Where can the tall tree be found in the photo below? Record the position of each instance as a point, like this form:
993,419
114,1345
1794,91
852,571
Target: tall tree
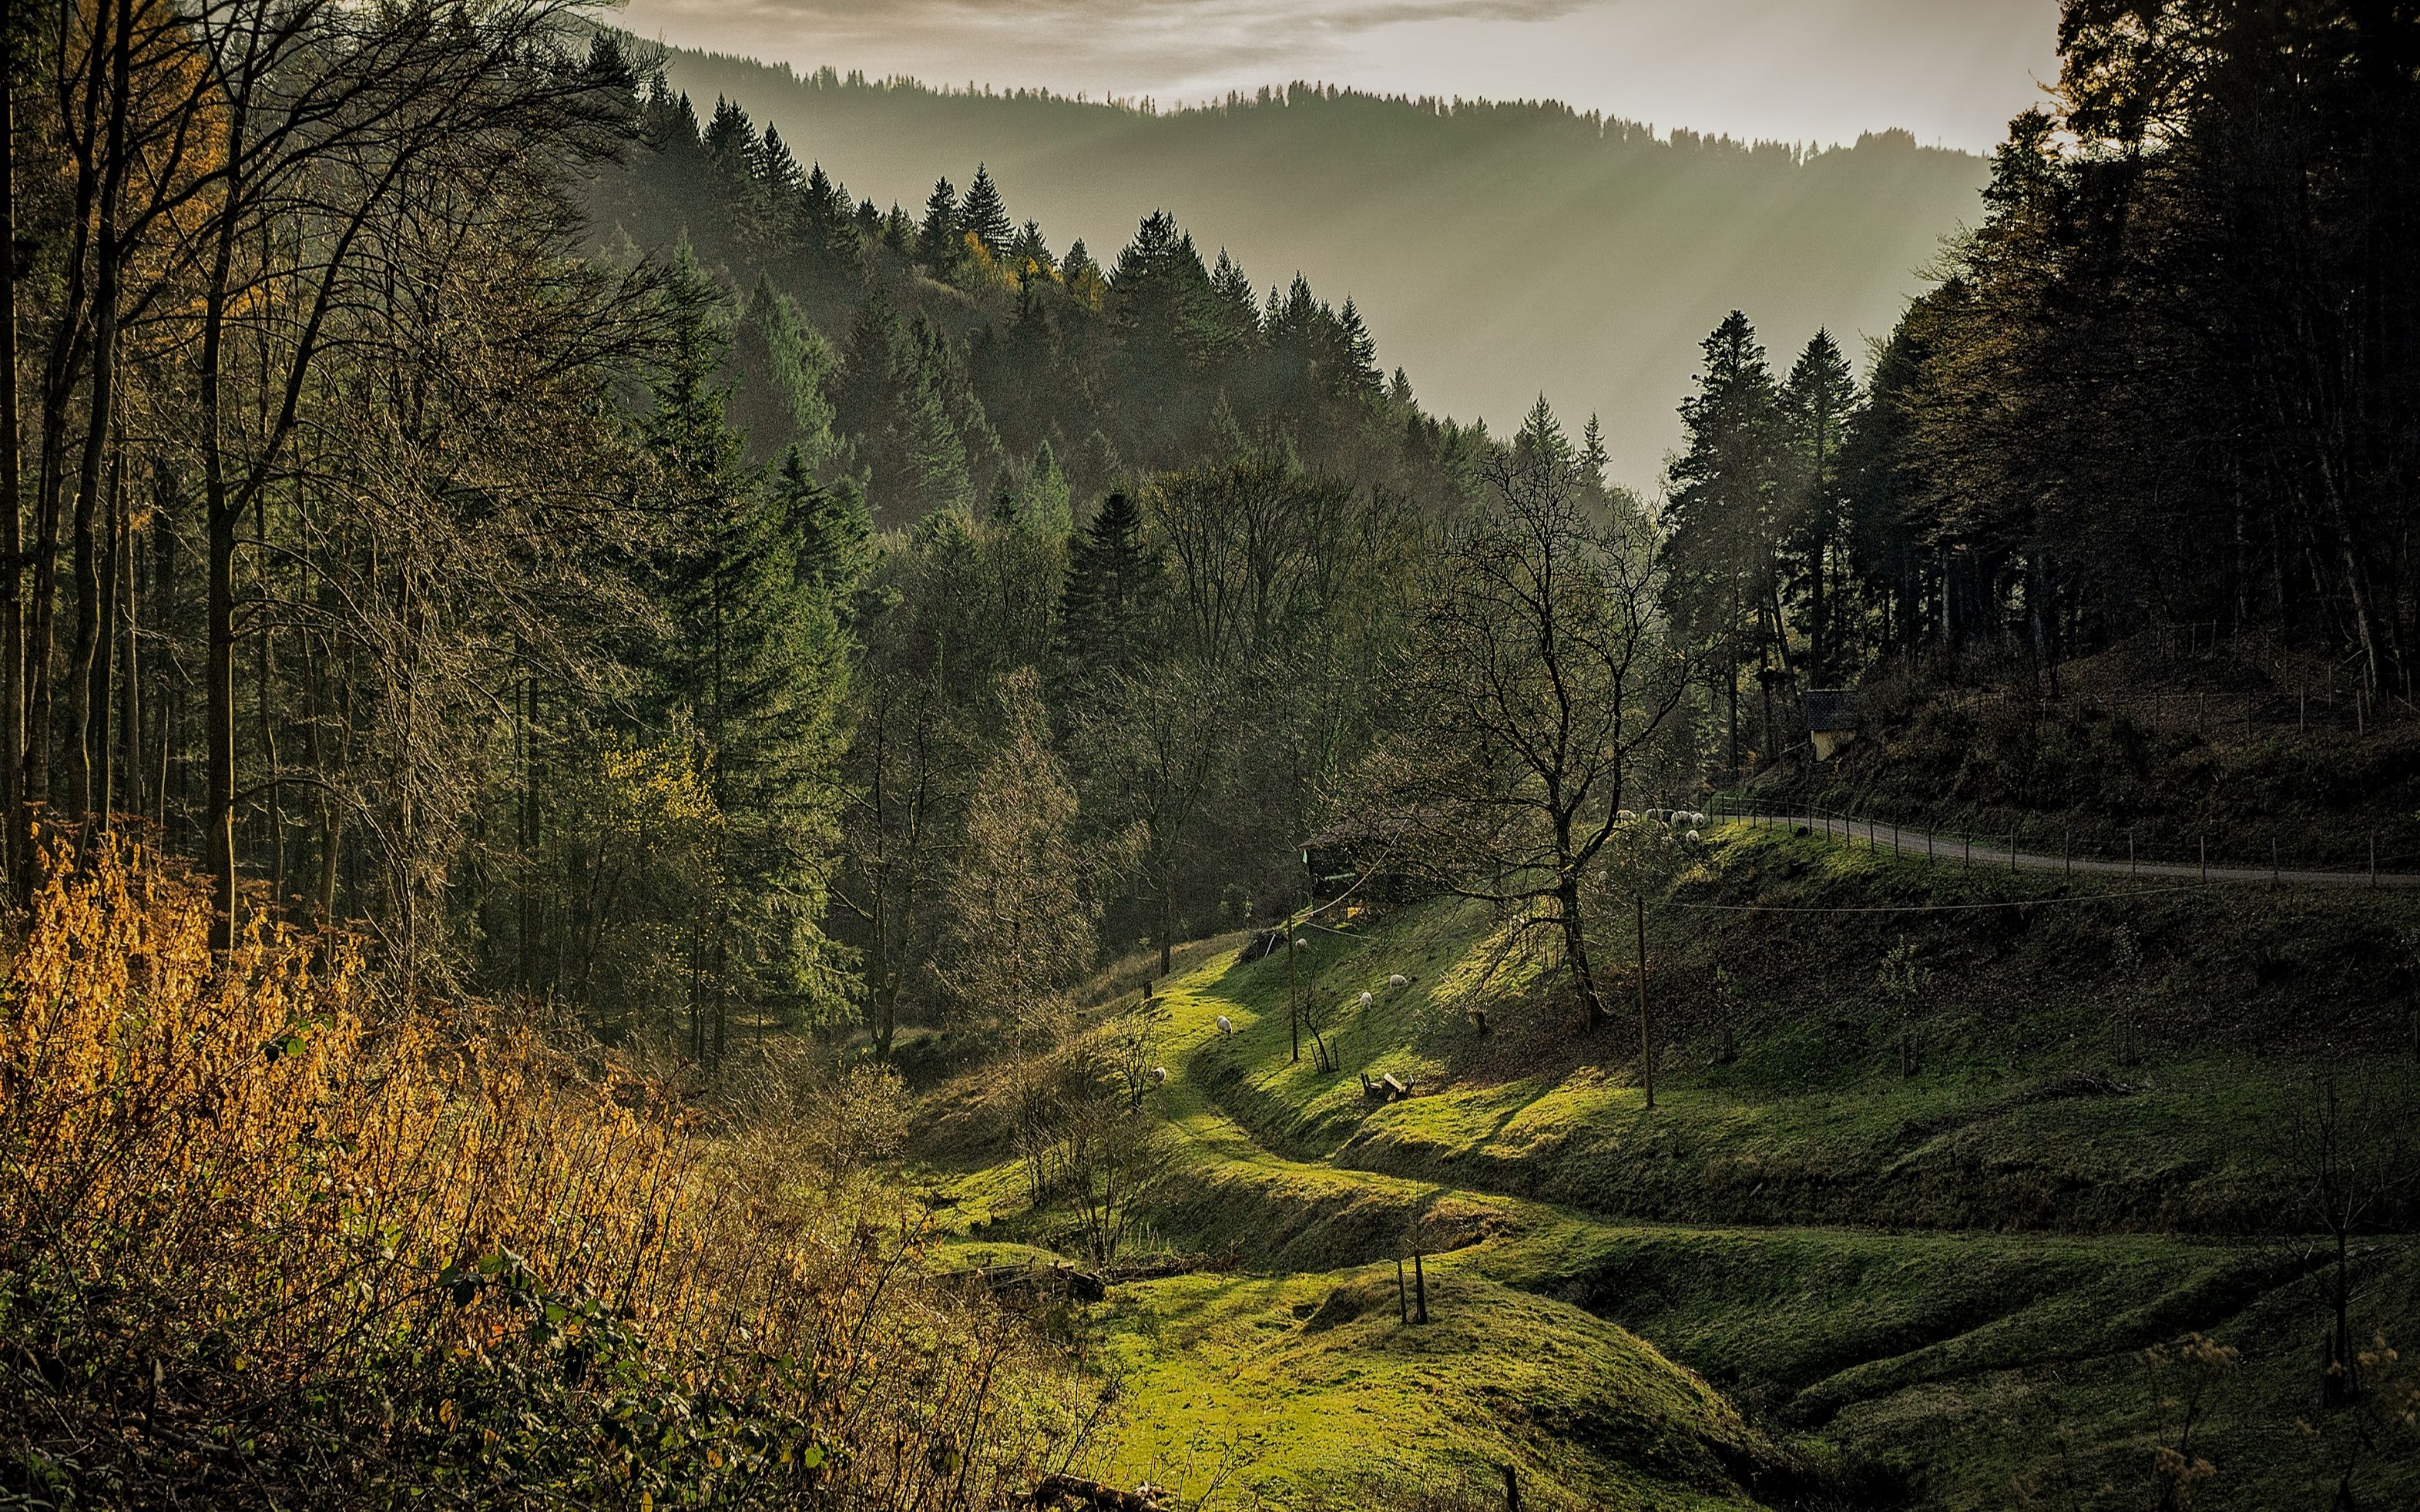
1723,518
1540,678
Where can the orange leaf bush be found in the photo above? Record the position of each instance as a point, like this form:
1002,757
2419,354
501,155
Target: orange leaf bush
267,1237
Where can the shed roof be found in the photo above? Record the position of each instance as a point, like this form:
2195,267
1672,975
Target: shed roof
1830,709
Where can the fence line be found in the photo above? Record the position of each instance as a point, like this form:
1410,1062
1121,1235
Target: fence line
2007,850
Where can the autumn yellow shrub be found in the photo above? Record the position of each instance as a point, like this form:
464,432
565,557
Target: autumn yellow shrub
267,1237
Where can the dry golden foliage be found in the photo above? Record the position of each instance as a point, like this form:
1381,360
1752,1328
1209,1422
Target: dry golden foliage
264,1237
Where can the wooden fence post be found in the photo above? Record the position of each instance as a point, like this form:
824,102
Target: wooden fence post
1646,1032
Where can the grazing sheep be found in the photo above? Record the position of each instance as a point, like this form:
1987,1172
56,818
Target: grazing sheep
1362,1001
1691,837
1624,815
1399,981
1159,1076
1697,821
1226,1025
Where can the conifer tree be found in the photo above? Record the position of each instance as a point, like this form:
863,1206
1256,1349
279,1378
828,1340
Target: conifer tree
1723,515
1114,585
754,663
1816,401
1592,453
937,238
1043,501
1028,256
1541,442
983,215
779,367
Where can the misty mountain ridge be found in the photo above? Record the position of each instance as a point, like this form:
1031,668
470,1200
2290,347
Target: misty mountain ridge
1499,248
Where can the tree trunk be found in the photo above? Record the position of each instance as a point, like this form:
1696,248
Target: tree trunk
86,746
12,629
133,800
218,802
1646,1024
1575,956
1167,915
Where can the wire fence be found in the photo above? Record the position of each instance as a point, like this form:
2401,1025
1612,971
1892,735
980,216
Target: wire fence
2319,705
2220,858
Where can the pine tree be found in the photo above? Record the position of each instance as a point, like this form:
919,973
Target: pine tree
1082,276
1592,453
1028,256
1358,353
1817,400
1723,540
779,367
731,140
985,214
777,170
1043,501
1108,609
932,457
829,526
756,664
1541,442
937,238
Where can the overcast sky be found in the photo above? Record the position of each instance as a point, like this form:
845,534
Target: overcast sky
1953,72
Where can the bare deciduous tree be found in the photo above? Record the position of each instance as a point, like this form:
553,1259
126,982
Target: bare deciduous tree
2352,1139
1539,675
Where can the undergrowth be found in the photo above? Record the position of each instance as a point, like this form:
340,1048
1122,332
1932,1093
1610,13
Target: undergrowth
268,1238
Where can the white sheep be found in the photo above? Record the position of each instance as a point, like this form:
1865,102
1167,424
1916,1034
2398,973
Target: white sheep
1226,1025
1691,837
1625,815
1362,1001
1399,981
1159,1076
1697,821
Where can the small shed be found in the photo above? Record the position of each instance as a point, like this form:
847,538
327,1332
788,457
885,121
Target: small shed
1831,720
1336,857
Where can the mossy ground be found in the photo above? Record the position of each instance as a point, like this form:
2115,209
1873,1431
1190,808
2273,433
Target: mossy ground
1934,1290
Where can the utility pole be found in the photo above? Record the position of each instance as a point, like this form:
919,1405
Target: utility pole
1646,1031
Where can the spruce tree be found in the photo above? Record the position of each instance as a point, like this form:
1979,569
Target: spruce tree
1043,503
937,238
1028,256
755,663
1108,609
777,368
1541,442
985,214
1816,401
1722,544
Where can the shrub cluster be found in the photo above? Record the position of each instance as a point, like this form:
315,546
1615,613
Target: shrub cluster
269,1238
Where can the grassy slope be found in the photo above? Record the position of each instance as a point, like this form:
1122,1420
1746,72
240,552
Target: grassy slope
1990,1335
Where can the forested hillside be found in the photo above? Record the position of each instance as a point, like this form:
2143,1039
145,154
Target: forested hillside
1499,249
